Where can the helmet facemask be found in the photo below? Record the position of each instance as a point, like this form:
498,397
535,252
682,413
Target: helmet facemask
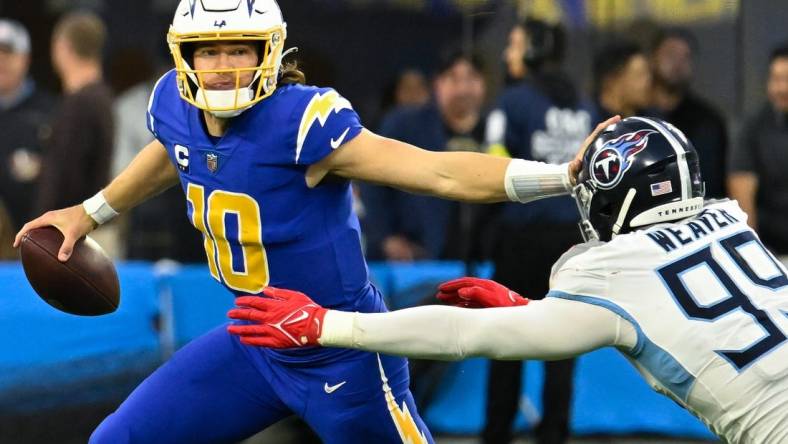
231,102
601,218
583,194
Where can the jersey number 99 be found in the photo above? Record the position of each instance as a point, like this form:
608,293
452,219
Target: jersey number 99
210,216
737,300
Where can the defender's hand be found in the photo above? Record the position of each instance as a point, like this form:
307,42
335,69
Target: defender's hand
478,293
283,319
73,222
577,163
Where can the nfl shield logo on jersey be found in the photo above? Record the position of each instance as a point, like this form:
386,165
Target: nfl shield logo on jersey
212,160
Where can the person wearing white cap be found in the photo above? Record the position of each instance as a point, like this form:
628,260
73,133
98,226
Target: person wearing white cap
25,113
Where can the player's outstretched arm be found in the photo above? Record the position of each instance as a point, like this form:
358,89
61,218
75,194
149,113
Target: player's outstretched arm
150,173
549,329
464,176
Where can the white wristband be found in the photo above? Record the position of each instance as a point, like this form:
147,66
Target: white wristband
527,180
99,209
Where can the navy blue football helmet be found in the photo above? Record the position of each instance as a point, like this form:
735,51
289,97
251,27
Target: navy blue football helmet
638,172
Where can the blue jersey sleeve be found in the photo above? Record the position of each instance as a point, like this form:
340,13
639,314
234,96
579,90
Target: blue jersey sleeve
327,121
153,103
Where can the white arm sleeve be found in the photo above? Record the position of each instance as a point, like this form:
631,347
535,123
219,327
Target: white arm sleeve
528,180
549,329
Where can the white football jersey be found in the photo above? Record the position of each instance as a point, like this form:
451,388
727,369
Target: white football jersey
710,307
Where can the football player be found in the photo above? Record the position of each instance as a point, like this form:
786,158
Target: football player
682,287
265,164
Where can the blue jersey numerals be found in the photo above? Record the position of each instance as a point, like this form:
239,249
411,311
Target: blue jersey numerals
737,300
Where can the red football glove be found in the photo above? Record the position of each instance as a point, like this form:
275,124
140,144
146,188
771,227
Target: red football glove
283,319
478,293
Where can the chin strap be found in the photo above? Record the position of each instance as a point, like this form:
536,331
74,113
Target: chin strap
224,99
287,52
622,214
227,99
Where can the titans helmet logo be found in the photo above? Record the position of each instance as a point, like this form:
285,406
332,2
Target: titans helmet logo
609,164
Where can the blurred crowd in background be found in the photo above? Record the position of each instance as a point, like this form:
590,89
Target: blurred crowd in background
452,79
526,79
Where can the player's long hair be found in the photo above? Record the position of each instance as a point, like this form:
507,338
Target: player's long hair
289,74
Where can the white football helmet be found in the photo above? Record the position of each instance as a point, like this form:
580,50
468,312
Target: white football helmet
259,21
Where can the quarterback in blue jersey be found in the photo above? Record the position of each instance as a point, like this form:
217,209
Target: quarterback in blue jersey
265,164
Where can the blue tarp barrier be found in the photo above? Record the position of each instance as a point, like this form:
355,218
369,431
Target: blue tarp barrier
609,398
34,334
44,351
197,302
43,348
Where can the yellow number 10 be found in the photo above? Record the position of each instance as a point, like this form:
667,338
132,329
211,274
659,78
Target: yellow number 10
254,276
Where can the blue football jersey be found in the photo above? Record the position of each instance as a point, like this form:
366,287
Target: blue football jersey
246,191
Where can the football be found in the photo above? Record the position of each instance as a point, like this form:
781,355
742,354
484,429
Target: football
86,284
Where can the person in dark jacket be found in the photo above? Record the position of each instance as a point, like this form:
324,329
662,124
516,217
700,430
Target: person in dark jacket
25,114
78,159
757,163
540,116
672,56
404,227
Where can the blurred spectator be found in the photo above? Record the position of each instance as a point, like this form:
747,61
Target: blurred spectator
25,113
540,117
622,80
411,89
131,131
515,53
757,177
77,161
671,63
158,228
405,227
7,233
